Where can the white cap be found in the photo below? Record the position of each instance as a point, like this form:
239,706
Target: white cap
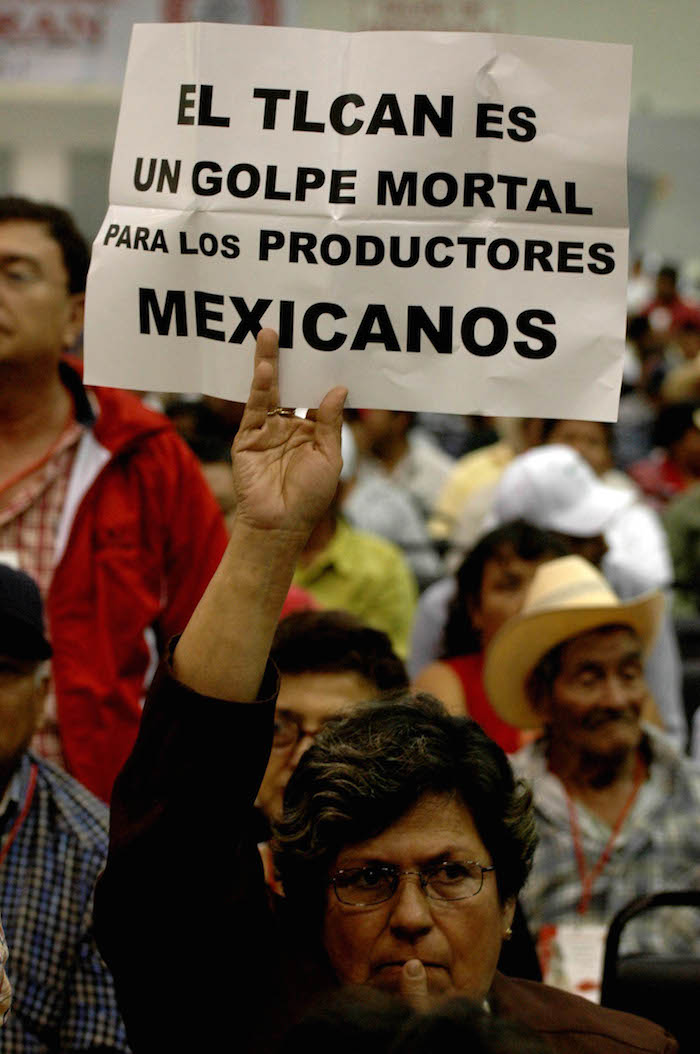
554,488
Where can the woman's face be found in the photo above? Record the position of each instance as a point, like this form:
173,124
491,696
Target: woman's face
458,941
589,438
503,586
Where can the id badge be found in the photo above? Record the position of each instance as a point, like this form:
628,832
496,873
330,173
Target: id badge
571,957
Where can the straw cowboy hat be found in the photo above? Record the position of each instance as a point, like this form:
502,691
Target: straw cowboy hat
566,597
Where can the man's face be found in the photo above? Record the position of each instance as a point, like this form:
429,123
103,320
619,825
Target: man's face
597,698
39,318
457,941
22,696
588,438
305,702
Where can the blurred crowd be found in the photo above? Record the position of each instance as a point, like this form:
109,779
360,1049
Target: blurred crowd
116,507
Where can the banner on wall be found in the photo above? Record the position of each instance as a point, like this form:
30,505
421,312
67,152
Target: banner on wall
86,41
437,221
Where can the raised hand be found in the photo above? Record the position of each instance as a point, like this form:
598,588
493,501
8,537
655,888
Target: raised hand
285,469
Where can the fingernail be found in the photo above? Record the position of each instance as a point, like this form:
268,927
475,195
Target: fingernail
414,968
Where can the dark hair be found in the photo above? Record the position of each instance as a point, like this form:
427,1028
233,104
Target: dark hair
337,642
668,271
460,637
366,769
549,424
672,423
61,227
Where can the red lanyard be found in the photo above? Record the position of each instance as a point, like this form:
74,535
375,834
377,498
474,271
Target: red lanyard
588,878
22,813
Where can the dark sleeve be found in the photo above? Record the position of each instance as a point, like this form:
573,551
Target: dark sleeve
182,914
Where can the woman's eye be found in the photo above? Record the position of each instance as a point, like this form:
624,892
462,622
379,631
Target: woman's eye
451,872
371,876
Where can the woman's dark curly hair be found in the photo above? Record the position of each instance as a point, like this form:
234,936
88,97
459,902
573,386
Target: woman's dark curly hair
518,538
365,770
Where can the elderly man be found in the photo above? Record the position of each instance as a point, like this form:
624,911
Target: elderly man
617,807
404,839
53,843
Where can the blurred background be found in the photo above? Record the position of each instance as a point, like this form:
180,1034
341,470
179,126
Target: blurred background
62,63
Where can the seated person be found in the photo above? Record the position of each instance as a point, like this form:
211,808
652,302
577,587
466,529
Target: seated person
53,844
617,807
404,839
491,585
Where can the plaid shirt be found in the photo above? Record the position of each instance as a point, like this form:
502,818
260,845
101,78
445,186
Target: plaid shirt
28,525
63,994
657,849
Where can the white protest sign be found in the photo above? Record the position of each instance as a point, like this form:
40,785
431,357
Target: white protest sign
436,220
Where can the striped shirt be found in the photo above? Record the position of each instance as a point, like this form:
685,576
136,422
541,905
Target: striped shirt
63,994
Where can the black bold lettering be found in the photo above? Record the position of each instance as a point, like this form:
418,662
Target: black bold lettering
253,177
206,92
308,179
187,94
309,327
271,192
169,175
213,184
432,259
208,244
524,130
159,241
174,305
451,189
441,122
395,251
185,250
204,315
388,104
364,242
440,336
408,187
250,318
271,97
512,254
124,238
499,335
344,249
300,124
139,182
568,253
478,184
546,337
286,327
375,314
537,251
340,188
570,205
471,244
512,183
543,197
301,242
487,114
269,240
603,256
336,114
141,238
111,232
230,249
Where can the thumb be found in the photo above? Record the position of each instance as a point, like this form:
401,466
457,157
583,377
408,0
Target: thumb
414,985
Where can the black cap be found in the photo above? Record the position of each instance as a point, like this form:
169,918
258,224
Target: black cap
21,617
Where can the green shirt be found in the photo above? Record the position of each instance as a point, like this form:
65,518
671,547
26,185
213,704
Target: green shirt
368,576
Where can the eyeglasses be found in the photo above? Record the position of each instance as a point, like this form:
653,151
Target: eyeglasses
287,731
364,887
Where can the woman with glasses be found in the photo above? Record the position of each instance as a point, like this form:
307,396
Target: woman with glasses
404,838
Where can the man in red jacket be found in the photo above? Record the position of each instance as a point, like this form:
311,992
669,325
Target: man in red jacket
100,501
